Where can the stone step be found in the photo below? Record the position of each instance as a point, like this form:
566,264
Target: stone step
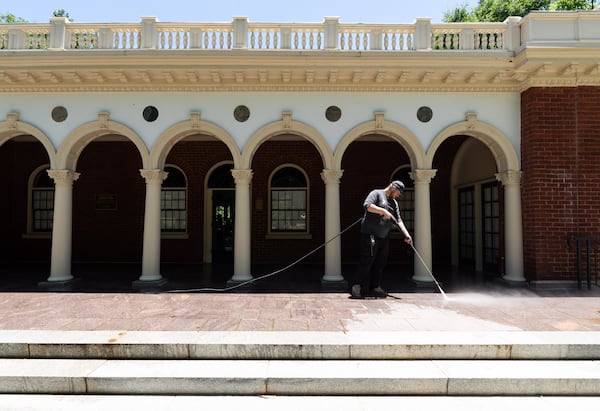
15,402
504,345
300,377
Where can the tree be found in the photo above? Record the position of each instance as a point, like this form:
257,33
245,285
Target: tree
10,18
459,14
499,10
572,5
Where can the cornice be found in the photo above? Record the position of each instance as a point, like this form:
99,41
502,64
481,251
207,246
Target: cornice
451,71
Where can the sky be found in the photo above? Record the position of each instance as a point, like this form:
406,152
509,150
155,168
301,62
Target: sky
299,11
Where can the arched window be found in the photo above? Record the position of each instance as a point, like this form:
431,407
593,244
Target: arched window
406,202
289,199
42,201
173,202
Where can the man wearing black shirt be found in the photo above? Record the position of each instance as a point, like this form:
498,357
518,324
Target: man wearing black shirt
381,213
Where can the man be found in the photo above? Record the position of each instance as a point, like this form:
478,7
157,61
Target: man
381,213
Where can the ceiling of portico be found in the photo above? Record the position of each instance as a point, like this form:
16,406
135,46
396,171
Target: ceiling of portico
244,70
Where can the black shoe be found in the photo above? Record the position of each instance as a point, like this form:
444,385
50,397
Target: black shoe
378,292
355,291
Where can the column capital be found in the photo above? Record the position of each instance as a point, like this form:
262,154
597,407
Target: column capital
63,177
509,177
331,176
242,176
422,175
154,175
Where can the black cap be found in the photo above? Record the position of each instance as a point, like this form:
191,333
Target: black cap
399,185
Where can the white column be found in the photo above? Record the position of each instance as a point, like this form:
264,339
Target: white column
151,251
422,235
62,224
513,228
242,241
333,253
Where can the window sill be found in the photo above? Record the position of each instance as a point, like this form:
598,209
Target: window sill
289,236
174,236
37,236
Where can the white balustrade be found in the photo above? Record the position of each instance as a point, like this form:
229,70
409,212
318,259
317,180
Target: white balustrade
61,34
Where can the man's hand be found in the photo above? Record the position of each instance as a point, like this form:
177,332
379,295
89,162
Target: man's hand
408,240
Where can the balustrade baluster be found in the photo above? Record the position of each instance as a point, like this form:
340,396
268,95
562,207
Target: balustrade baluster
221,41
342,41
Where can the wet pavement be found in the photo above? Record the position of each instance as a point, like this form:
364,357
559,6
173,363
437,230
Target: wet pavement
292,301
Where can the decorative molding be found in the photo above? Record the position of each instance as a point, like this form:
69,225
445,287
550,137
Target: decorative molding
331,176
379,119
286,118
13,120
195,118
242,177
103,119
154,176
471,119
422,176
63,177
509,178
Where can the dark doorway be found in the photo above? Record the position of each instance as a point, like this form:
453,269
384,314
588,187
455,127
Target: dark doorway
223,207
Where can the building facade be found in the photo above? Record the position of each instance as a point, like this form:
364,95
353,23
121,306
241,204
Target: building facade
254,143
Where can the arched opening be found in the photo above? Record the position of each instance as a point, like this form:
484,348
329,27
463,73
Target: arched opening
467,212
108,210
26,208
288,201
221,192
371,162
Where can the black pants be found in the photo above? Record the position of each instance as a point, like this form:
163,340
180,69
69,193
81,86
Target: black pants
373,259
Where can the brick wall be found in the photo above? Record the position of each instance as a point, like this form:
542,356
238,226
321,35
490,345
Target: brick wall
560,147
268,157
17,162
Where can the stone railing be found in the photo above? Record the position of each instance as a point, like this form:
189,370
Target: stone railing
515,32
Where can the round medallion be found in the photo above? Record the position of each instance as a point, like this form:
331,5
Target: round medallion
424,114
150,113
59,114
333,113
241,113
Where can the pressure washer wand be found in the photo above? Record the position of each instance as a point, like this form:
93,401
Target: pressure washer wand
429,271
423,262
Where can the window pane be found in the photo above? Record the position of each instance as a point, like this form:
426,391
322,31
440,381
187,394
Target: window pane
288,210
173,215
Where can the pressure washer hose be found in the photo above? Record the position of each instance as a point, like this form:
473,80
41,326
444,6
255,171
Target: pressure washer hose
233,287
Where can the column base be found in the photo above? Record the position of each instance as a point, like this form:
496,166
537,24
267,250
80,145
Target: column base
239,278
233,282
335,286
426,286
60,285
149,284
333,279
513,283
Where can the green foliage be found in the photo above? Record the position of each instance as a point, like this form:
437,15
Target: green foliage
459,14
499,10
10,18
61,13
571,5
